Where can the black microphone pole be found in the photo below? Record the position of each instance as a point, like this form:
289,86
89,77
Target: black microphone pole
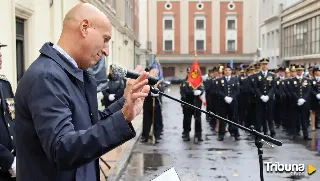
259,138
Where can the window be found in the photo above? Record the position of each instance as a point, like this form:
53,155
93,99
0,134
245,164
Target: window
231,45
231,24
20,47
200,45
168,24
200,24
168,45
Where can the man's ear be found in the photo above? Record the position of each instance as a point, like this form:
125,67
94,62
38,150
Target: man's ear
84,25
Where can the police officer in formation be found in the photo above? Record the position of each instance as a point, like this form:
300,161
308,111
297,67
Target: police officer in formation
7,134
191,96
228,89
152,115
267,99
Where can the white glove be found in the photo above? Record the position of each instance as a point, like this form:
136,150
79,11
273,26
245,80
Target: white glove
111,97
301,101
262,98
154,95
228,99
318,96
13,169
197,92
266,98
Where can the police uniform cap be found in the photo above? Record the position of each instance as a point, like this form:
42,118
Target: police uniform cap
281,69
147,69
215,69
316,68
257,65
251,68
293,67
310,68
2,45
228,66
220,68
265,60
287,69
300,67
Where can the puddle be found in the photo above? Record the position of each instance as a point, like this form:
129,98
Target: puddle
220,149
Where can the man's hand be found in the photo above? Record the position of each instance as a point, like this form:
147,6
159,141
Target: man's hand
135,93
13,169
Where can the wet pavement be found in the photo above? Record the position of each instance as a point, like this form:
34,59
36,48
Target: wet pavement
212,160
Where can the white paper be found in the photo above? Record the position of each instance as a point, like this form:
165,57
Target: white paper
169,175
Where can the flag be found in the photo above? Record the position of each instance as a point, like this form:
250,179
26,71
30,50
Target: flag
195,75
156,65
231,63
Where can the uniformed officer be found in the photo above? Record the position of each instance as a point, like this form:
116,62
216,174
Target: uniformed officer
252,105
300,91
244,97
114,89
279,113
315,100
287,102
207,86
152,116
228,89
7,134
191,96
265,83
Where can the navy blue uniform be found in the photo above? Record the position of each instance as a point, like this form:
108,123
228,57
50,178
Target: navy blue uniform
265,85
300,89
228,89
7,133
187,95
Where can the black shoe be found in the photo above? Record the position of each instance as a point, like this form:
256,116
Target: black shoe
237,138
273,134
186,137
292,137
220,138
199,137
144,140
307,138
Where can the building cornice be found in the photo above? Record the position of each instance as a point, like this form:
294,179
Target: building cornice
303,57
120,25
207,57
300,10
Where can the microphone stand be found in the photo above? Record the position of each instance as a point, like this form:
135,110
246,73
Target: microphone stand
259,138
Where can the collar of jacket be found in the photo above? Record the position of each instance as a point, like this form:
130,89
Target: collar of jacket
49,51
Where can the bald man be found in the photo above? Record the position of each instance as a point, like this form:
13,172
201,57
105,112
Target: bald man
60,132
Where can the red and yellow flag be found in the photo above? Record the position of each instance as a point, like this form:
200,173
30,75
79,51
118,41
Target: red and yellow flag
195,75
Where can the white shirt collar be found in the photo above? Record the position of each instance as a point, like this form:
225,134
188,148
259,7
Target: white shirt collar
264,72
299,77
64,53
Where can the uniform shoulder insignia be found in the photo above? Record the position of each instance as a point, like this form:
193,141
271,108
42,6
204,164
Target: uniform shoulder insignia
3,77
278,82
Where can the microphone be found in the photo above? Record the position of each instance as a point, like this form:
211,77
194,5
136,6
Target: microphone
122,72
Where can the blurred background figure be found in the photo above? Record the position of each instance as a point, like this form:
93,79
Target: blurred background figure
113,89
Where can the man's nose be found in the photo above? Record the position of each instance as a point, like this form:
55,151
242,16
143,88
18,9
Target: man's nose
105,49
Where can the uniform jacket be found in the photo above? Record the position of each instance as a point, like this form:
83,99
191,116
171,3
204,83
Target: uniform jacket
245,83
230,89
265,85
300,89
7,134
60,132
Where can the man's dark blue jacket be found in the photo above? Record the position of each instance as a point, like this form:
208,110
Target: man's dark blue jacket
60,134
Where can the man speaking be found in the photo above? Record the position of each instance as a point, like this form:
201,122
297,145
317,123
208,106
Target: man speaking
60,132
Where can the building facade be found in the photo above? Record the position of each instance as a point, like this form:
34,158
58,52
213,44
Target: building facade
270,11
218,31
29,24
300,37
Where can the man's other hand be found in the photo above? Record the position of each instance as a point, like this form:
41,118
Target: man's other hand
135,93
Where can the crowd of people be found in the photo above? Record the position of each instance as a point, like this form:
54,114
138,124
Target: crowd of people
286,98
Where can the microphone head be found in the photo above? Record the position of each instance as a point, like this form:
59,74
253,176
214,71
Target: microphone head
118,71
